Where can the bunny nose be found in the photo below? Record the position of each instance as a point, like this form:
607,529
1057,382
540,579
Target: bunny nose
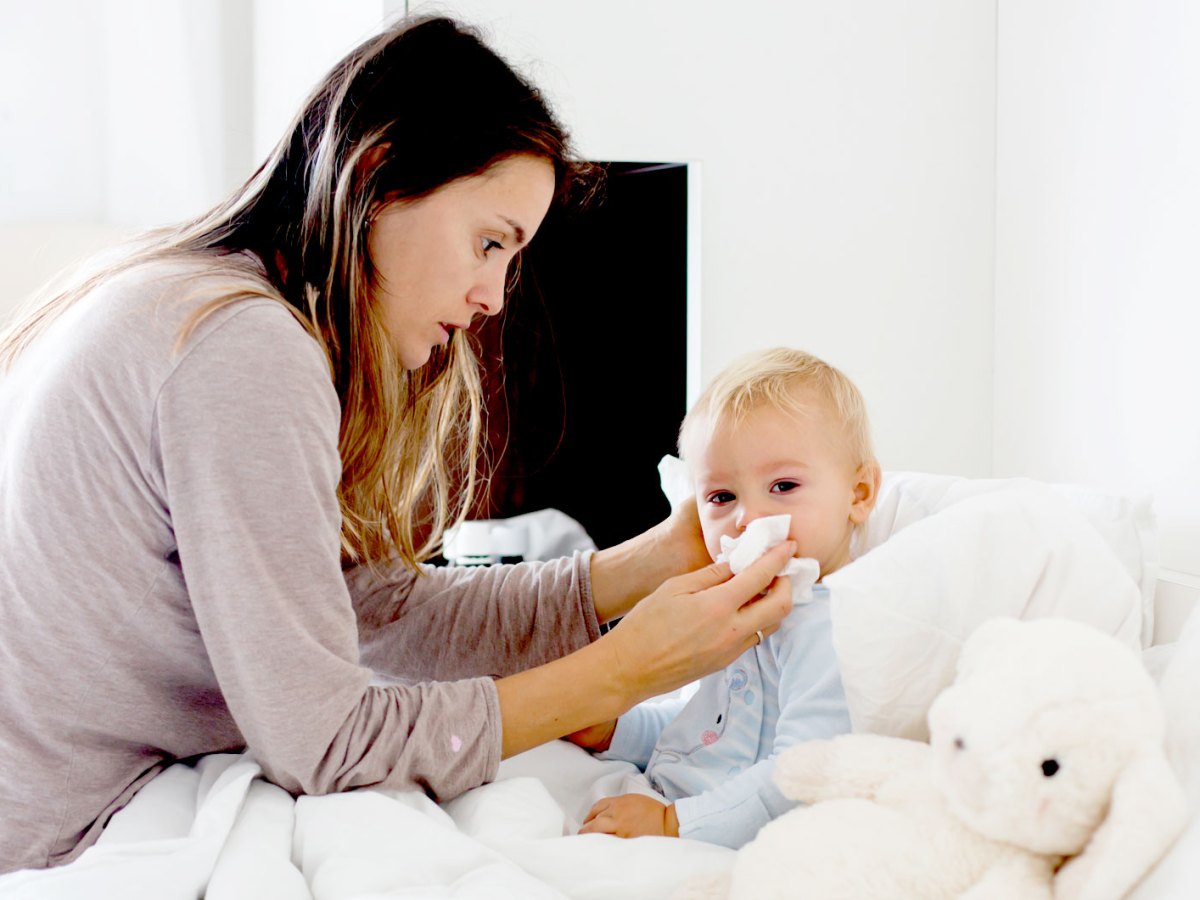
959,744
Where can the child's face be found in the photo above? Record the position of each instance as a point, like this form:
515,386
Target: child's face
777,462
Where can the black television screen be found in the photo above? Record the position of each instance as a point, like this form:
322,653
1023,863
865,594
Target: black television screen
586,370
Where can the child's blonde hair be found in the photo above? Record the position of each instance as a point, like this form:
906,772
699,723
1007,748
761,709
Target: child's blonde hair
770,378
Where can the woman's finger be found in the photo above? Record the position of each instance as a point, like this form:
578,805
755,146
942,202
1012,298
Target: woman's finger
757,577
765,613
702,579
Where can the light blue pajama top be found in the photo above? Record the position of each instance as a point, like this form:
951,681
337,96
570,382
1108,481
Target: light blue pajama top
714,755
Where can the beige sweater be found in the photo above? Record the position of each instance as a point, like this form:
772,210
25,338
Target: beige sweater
170,582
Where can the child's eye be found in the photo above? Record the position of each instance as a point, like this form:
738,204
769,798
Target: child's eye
784,487
717,498
488,244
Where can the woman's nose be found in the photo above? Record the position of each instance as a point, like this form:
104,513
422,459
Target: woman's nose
488,292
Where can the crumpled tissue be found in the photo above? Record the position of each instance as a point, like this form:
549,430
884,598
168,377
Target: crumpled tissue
759,537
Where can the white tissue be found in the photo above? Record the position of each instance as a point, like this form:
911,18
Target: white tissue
759,537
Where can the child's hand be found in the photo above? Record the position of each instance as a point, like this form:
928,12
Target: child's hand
631,815
596,738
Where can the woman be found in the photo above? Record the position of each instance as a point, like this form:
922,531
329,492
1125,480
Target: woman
224,455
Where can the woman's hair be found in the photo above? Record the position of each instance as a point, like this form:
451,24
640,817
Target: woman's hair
772,378
406,112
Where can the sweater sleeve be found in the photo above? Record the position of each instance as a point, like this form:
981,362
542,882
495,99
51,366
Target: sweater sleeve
488,620
812,705
246,430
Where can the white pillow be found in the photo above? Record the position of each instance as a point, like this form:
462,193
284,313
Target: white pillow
1125,521
902,610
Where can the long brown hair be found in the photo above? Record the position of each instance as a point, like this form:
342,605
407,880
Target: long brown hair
420,105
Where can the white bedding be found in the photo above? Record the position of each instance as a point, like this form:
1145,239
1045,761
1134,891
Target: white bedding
218,830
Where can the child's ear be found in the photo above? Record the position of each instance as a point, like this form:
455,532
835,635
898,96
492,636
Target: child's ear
866,490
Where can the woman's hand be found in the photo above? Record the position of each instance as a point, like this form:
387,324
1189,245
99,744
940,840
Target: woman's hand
698,623
623,575
680,538
631,815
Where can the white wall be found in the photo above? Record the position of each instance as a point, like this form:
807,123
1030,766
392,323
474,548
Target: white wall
44,116
123,114
295,42
120,111
1098,230
847,155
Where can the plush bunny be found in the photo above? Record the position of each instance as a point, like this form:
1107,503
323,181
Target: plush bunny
1048,746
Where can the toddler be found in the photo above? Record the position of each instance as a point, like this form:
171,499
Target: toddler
779,433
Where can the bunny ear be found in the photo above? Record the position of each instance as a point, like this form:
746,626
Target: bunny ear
1146,814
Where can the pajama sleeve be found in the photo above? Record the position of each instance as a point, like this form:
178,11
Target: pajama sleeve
446,623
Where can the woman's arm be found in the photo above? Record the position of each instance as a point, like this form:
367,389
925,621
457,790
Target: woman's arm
624,574
499,620
493,620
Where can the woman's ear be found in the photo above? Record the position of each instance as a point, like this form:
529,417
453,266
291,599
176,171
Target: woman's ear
866,490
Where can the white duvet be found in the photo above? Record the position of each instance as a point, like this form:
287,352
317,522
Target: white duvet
219,831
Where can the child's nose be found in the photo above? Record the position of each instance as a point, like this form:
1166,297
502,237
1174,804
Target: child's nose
747,513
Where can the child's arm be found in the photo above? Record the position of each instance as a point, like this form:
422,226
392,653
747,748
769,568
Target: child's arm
631,738
635,733
732,811
812,707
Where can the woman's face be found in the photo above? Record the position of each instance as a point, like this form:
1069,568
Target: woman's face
443,260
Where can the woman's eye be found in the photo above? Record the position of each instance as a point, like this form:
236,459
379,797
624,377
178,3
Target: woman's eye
783,487
718,498
489,244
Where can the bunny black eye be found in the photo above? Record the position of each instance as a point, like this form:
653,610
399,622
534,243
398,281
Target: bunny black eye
1049,767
